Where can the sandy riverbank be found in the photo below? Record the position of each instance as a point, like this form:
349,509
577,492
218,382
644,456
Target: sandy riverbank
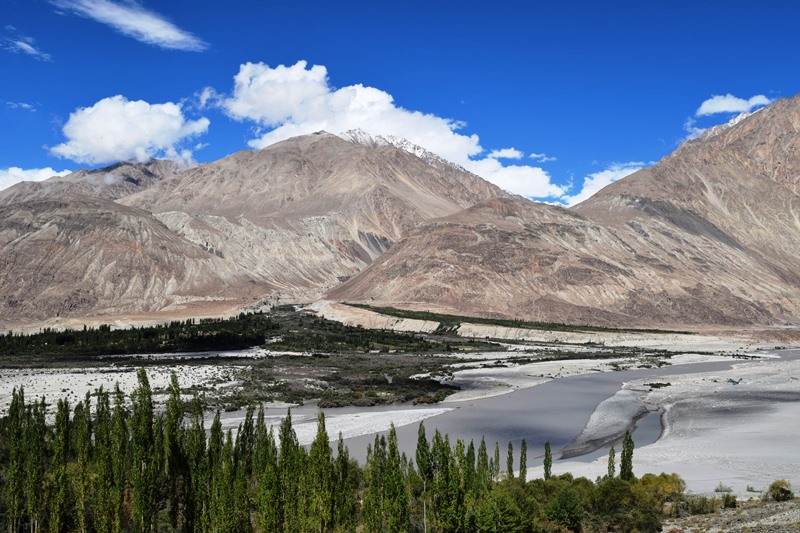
714,431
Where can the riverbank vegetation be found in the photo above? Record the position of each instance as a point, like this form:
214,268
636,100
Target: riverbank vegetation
112,465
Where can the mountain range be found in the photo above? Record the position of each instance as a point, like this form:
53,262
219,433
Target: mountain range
709,236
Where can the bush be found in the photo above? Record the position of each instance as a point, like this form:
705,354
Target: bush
780,491
729,501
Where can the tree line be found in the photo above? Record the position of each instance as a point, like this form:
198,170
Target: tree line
108,465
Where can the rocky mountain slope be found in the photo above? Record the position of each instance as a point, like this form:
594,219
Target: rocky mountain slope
292,220
113,182
707,236
82,256
306,213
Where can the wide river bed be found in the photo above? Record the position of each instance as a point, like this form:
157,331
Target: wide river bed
556,411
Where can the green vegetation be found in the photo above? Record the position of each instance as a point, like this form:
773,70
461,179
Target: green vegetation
130,469
450,322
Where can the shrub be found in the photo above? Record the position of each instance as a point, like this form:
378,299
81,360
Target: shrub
780,491
729,501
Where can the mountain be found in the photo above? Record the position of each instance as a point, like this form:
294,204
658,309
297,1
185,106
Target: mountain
306,213
77,256
709,235
291,220
112,182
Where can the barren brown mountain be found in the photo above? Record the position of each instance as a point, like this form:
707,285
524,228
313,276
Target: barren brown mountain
710,235
111,182
306,213
81,256
293,220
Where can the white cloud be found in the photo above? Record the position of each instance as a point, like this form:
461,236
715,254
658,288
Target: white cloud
542,158
18,43
21,105
12,175
117,129
132,19
596,181
506,153
286,101
692,130
730,104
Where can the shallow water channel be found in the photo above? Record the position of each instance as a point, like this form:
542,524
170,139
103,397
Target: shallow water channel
556,411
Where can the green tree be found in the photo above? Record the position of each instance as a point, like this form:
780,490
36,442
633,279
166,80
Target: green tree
523,461
144,470
175,465
36,447
626,459
266,466
103,515
548,460
566,509
321,479
612,463
15,471
81,481
60,499
498,513
375,468
395,495
344,505
120,464
510,461
483,473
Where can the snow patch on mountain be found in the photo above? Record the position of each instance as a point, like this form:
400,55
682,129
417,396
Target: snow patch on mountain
359,136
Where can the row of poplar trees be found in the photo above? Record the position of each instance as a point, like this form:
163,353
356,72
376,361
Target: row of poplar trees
130,469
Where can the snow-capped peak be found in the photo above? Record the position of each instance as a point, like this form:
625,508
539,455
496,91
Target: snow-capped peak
359,136
716,130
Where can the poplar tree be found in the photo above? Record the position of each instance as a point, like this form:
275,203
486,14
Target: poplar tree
15,471
510,461
35,446
320,479
612,465
143,469
103,515
523,461
120,462
626,458
496,462
174,464
373,513
290,463
60,499
395,495
82,440
484,474
269,499
548,460
194,451
344,505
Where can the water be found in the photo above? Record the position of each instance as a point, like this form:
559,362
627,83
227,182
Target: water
556,411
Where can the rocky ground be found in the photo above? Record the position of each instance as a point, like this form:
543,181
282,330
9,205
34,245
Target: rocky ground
749,517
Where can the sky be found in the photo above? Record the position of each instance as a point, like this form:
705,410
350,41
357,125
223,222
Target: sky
550,100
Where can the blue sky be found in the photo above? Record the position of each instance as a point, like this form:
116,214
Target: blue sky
583,92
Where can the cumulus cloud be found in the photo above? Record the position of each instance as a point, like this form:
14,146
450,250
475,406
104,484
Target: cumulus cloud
506,153
13,175
728,103
286,101
117,129
14,41
542,158
132,19
596,181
